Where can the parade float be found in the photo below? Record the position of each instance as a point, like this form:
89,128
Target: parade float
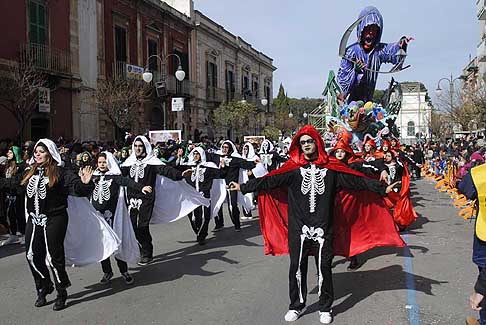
348,110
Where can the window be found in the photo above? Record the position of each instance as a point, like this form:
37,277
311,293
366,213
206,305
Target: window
121,44
246,84
184,62
230,85
267,96
411,129
37,22
152,49
255,88
212,80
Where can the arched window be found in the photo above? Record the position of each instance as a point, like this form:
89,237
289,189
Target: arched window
411,129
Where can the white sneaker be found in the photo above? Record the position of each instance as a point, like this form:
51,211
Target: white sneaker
325,317
12,239
22,240
292,315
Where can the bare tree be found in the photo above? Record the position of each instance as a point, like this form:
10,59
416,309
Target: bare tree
238,116
120,100
19,93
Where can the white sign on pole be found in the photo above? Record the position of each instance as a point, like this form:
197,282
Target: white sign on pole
44,100
177,104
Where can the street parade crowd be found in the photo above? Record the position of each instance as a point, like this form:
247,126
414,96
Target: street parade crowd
74,204
115,192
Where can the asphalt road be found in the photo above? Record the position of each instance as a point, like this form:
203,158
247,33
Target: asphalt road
230,281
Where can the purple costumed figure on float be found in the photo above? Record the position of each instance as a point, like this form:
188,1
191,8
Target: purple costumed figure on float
361,63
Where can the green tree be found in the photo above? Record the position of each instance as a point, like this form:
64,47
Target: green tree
235,115
271,132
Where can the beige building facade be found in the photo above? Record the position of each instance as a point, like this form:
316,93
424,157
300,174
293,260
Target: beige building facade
226,68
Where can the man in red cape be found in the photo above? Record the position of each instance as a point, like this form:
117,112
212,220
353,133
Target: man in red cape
296,207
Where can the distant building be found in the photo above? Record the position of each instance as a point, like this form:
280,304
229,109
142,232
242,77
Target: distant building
414,117
226,68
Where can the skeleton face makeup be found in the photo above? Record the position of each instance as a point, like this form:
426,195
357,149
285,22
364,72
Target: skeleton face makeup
309,147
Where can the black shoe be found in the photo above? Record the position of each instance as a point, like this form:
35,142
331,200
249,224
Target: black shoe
60,302
201,242
41,296
145,260
237,229
128,278
106,278
354,264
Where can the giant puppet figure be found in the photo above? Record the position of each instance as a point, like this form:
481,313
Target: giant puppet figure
361,61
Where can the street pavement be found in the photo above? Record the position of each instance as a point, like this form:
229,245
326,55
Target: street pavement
230,281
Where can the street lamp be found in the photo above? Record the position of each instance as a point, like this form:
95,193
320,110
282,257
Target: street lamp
451,81
179,74
264,101
290,114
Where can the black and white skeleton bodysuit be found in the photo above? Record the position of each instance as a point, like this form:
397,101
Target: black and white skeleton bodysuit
47,219
144,171
311,193
202,177
234,166
269,157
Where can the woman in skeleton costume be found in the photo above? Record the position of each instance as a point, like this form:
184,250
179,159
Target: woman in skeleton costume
312,180
249,154
143,167
47,186
203,176
105,199
400,201
14,205
232,166
269,157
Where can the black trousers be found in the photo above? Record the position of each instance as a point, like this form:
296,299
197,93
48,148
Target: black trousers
233,210
14,209
326,297
51,242
140,221
106,266
199,219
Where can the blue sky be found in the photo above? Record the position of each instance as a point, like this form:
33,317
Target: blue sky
303,36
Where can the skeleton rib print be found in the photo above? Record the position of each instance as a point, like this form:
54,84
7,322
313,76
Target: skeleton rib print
313,184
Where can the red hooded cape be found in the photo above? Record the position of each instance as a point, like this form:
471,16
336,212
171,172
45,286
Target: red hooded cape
403,211
361,219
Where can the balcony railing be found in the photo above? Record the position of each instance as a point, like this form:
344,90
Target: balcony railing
46,58
214,94
481,10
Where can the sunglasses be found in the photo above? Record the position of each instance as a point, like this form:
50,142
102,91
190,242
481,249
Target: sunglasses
309,141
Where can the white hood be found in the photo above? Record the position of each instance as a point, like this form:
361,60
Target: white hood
149,159
113,168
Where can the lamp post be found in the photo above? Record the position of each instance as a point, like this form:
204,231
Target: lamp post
305,115
147,76
451,81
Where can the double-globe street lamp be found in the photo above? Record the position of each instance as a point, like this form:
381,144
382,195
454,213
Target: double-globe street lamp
160,86
451,81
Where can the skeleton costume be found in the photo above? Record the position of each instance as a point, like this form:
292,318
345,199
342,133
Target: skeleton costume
259,171
269,157
50,240
169,201
310,188
108,198
205,178
232,172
